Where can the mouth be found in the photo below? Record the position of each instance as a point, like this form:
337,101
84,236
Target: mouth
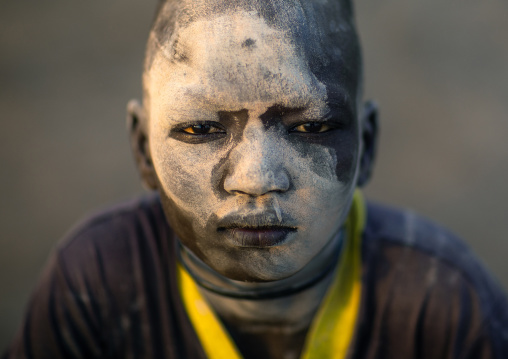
261,229
258,237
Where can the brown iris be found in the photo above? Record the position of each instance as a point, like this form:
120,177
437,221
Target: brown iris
311,127
201,129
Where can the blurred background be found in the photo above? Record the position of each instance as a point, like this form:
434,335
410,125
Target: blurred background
438,69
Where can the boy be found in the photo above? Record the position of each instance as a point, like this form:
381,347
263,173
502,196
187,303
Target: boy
257,242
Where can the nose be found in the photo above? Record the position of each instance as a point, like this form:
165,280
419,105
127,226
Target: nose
256,166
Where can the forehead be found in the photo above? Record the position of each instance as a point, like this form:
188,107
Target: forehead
253,51
236,59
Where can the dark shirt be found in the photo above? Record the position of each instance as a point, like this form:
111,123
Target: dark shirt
110,291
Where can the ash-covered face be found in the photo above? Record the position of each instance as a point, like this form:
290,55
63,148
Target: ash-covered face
255,148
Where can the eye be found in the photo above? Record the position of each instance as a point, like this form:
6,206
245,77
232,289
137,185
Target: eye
311,127
202,129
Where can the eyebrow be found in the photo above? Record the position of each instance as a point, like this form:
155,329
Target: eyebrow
338,99
279,110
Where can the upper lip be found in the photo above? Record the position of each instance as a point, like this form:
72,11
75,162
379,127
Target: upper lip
263,220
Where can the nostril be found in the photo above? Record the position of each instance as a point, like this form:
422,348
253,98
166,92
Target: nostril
240,193
256,183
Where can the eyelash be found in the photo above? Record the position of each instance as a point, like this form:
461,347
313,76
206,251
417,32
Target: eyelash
215,129
327,127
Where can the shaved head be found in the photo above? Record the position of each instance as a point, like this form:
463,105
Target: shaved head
322,30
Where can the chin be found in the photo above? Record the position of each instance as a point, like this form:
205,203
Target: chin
252,268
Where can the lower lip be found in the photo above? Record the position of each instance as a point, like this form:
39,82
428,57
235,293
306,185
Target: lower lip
259,238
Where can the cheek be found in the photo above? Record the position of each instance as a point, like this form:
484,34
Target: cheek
179,181
330,160
181,223
324,184
217,177
346,151
185,173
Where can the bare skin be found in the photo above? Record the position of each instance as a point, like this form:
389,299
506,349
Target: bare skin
254,139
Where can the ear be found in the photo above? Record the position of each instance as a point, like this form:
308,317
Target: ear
369,130
137,126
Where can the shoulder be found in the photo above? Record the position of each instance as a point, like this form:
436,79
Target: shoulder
406,232
426,280
108,236
107,257
115,222
110,246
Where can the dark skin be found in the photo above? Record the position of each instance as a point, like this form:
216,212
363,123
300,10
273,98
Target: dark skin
260,137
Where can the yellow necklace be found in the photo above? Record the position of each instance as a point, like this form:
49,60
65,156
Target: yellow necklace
333,326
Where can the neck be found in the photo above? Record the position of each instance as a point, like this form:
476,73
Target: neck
252,301
313,273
